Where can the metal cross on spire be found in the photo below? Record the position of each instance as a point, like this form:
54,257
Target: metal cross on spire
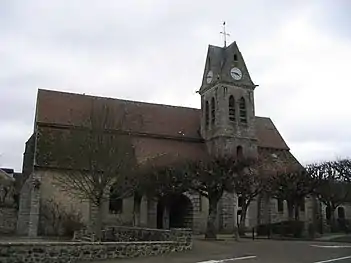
225,34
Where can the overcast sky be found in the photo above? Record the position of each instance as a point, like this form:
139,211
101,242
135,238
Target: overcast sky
298,52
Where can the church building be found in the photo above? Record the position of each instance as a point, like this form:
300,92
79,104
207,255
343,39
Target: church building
226,123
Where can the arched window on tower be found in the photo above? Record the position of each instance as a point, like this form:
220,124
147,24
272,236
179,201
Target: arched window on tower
239,152
242,109
231,105
213,111
207,114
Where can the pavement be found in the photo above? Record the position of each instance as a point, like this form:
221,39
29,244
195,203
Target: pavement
255,251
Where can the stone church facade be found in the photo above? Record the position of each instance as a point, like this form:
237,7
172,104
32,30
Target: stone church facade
225,124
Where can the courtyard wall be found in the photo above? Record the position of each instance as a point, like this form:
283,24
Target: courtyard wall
62,252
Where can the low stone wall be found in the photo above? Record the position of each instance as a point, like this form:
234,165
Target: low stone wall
126,234
62,252
8,220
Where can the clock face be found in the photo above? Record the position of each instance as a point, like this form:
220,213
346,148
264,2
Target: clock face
236,73
209,77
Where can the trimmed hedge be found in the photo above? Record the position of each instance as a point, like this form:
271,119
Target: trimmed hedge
284,228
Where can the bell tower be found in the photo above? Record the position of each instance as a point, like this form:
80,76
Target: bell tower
227,103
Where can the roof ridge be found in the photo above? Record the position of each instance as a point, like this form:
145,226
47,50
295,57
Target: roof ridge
117,99
263,117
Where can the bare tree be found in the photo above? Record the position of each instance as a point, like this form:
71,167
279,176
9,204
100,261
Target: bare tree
343,166
211,177
163,175
292,184
251,182
101,156
333,187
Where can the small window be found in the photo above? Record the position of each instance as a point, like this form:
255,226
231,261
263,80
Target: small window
213,111
242,107
207,114
240,201
235,57
231,108
280,204
116,203
239,152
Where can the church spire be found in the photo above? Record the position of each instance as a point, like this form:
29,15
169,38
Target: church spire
225,66
225,34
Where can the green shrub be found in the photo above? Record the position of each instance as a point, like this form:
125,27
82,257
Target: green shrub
284,228
58,221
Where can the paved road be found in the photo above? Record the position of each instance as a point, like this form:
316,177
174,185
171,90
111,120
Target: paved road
258,251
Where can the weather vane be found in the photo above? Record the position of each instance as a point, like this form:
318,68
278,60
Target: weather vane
225,34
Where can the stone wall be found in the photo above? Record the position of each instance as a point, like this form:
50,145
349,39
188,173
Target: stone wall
62,252
126,234
8,220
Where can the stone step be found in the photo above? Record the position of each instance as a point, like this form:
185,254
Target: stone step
85,239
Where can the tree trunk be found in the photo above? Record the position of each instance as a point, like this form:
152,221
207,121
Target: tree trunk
211,219
290,210
95,221
296,210
242,219
98,222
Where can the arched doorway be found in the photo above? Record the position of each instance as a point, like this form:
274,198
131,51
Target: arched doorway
328,214
180,212
174,211
341,212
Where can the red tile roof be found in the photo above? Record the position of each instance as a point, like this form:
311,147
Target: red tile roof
66,109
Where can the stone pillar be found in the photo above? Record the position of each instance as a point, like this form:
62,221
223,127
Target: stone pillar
137,210
165,218
309,215
200,217
321,216
143,211
34,207
196,220
24,209
152,213
227,215
264,210
252,213
128,211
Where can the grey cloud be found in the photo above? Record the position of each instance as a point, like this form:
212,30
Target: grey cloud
138,50
334,18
